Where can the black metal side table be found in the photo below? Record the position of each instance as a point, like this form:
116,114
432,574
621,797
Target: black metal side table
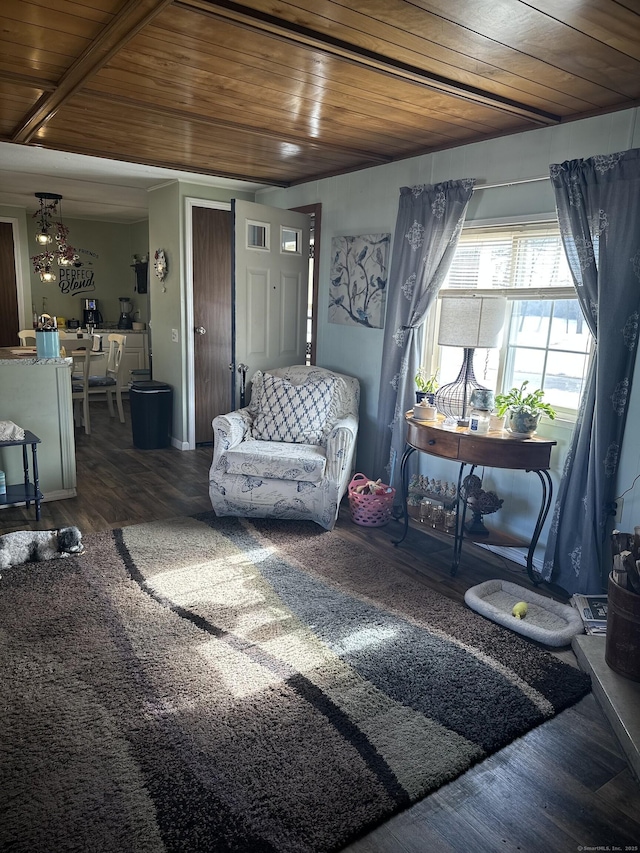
27,491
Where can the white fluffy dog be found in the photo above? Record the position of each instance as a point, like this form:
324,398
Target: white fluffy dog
33,546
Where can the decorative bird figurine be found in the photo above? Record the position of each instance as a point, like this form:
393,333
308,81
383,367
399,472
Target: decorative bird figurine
520,610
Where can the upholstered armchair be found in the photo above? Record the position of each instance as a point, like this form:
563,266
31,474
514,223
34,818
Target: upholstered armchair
290,452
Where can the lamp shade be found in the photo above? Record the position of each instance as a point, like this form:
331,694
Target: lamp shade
474,321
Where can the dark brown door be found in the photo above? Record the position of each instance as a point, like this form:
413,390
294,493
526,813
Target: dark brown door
9,320
212,312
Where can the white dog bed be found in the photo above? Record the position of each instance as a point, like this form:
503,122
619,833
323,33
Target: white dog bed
547,621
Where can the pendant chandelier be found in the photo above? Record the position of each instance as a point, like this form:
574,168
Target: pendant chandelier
51,229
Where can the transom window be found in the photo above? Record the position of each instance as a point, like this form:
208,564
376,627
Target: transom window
545,337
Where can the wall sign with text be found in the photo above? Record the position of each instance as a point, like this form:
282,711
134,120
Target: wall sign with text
72,280
78,278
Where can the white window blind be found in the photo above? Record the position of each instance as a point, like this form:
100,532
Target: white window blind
524,258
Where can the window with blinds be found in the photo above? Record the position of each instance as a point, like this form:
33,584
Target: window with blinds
526,257
545,339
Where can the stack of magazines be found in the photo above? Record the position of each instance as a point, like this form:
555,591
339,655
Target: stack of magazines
593,612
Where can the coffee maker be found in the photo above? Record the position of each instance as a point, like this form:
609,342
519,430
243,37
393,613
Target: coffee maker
126,307
91,316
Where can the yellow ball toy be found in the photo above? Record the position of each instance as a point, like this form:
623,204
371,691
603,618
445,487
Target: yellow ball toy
520,610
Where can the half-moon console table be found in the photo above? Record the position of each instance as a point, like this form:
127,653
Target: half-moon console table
496,449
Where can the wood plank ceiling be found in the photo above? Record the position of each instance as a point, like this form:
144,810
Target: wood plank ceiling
271,92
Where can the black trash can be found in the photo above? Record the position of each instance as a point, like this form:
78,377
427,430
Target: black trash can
151,405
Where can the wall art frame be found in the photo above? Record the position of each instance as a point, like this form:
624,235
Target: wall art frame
359,273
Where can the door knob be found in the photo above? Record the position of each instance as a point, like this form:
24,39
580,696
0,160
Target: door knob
200,330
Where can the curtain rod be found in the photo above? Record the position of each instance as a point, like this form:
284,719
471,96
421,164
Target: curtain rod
511,183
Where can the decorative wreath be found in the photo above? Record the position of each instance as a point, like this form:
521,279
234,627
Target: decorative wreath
160,264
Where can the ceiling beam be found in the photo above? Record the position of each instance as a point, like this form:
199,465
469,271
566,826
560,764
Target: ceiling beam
256,20
135,15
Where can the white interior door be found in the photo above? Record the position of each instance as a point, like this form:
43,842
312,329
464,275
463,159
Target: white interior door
271,270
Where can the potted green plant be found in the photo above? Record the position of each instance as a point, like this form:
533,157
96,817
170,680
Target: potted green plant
524,409
426,386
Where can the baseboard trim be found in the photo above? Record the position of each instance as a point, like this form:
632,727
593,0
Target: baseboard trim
516,555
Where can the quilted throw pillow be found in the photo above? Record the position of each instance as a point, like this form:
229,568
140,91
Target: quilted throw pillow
295,413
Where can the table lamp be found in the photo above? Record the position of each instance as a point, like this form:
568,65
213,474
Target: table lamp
467,322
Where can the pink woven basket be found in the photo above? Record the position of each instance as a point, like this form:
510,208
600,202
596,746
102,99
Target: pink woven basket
370,510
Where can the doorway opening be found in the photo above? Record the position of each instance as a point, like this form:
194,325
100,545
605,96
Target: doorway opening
315,219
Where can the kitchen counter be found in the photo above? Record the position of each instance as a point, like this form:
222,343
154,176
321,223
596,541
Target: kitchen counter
36,395
136,355
103,330
13,356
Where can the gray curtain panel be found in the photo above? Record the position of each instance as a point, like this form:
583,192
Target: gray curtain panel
598,202
427,230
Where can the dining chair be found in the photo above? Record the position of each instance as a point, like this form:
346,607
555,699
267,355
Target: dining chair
27,338
113,382
80,386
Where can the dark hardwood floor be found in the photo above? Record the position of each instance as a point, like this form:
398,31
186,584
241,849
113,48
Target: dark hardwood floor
564,786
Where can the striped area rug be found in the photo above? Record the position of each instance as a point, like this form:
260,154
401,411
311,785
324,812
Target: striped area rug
204,684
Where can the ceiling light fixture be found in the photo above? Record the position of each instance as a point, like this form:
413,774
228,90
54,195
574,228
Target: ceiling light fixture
48,229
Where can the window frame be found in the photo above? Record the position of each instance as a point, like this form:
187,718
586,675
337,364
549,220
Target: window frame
432,352
265,227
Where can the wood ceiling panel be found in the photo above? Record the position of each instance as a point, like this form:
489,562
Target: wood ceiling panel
354,145
404,117
411,33
612,24
148,139
233,122
18,99
319,78
14,102
329,120
43,45
294,49
23,94
355,152
12,61
85,19
373,138
132,17
522,27
283,91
